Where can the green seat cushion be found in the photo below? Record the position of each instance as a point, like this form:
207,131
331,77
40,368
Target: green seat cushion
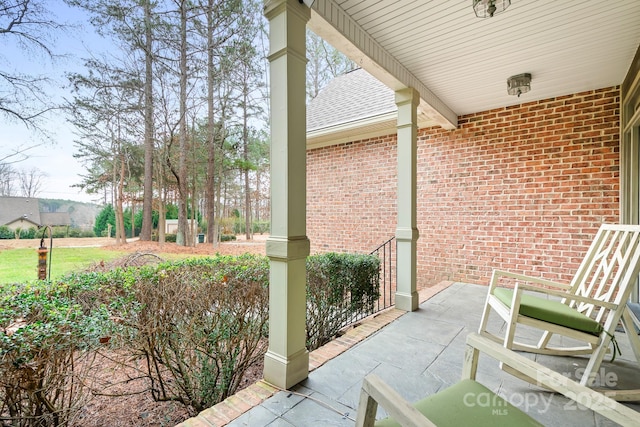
468,403
552,311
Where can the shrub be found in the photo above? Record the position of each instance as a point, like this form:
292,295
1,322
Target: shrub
198,324
195,326
170,238
112,290
60,232
227,237
201,324
44,357
227,225
106,216
30,233
340,287
261,227
239,226
6,232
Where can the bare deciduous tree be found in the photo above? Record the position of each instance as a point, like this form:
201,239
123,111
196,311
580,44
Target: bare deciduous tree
31,181
29,26
7,176
325,63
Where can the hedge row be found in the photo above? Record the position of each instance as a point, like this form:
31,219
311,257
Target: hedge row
196,325
33,233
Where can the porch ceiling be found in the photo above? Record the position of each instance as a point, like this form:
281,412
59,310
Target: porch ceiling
460,63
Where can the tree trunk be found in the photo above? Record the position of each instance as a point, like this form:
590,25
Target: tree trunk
133,220
161,217
247,189
257,215
193,231
147,198
193,228
121,236
182,236
218,210
209,192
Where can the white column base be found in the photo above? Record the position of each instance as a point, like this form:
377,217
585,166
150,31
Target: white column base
407,298
286,372
407,302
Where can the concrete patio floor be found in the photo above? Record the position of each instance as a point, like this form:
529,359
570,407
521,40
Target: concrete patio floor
420,353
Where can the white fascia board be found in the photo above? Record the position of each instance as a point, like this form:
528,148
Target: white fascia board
357,130
370,127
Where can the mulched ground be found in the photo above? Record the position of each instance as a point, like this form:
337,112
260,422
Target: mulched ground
241,246
121,398
255,246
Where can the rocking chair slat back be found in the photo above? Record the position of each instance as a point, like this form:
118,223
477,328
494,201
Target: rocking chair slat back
608,270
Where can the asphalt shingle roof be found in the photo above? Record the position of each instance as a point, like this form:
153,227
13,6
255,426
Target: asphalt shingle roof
55,218
13,208
350,97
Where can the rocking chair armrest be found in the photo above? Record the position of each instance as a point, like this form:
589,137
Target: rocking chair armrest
373,392
570,297
521,277
555,381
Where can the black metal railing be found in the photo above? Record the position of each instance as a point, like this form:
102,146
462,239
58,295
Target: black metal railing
354,311
387,254
326,319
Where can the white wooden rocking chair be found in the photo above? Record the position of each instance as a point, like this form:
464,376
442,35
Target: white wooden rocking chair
455,406
588,309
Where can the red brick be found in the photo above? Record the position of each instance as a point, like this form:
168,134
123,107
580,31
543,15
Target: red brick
509,189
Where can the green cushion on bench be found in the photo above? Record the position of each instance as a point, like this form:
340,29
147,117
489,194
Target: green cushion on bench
468,403
552,311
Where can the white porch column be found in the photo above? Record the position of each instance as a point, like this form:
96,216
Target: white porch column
287,360
407,101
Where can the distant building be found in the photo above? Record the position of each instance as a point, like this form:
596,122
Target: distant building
24,212
55,218
171,226
19,212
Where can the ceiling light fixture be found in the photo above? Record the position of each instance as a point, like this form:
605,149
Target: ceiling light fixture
488,8
517,85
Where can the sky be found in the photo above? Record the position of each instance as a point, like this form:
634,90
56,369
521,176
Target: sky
55,157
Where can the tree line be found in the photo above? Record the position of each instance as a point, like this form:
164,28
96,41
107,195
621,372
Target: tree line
175,112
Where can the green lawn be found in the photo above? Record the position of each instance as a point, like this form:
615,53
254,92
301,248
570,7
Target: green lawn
20,265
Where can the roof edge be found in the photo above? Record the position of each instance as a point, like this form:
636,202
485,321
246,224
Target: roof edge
333,24
369,127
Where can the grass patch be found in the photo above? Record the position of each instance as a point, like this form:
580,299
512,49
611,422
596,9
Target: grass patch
21,265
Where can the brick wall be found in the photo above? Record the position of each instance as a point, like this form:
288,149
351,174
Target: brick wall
351,195
521,188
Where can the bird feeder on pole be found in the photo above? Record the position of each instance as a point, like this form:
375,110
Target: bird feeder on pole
44,255
42,260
